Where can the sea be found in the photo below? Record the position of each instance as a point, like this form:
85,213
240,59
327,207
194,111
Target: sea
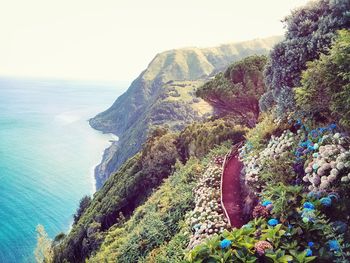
48,153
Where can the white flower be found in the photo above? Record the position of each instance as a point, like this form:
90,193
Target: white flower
323,178
332,178
340,166
308,170
306,178
334,171
345,179
324,185
336,136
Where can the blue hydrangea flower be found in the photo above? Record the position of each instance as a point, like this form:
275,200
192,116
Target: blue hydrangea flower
308,252
334,245
334,196
333,126
321,129
266,203
309,205
225,243
326,201
310,244
310,147
272,222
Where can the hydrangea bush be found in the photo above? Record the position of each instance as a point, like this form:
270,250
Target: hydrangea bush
301,183
207,218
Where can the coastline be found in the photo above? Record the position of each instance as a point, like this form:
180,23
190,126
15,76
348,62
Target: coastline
113,138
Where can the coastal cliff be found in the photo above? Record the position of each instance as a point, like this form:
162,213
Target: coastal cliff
163,94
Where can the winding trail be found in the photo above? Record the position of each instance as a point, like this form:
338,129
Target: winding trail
231,198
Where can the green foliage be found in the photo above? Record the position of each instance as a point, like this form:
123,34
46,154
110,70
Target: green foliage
173,251
238,89
199,138
261,133
325,89
122,193
43,251
146,102
310,31
283,196
83,204
156,222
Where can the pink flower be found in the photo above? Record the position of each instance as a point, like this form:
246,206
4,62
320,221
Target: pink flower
261,246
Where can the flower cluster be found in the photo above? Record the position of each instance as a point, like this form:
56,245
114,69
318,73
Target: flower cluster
207,218
308,212
273,222
277,146
219,160
260,211
330,165
225,243
262,246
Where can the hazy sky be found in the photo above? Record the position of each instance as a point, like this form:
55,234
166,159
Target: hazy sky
115,40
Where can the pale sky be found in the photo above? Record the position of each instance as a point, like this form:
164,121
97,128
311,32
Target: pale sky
115,40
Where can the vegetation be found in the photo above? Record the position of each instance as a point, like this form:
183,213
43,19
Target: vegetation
198,139
155,222
312,229
310,31
325,90
238,89
133,184
296,168
83,204
121,194
43,251
162,95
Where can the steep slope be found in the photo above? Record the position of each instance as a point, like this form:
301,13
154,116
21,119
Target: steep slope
146,101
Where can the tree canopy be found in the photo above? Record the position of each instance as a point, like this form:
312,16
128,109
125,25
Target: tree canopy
238,89
310,31
325,89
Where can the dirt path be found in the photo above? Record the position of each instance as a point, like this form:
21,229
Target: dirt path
231,191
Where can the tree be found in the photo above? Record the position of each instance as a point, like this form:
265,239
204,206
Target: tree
83,204
325,89
238,89
43,251
310,31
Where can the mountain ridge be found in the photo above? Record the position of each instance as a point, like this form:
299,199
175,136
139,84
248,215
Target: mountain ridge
130,113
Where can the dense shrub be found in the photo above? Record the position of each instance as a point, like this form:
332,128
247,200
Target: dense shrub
290,223
266,101
198,139
325,83
83,204
238,89
154,223
122,193
310,31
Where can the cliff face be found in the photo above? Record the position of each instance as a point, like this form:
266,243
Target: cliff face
164,94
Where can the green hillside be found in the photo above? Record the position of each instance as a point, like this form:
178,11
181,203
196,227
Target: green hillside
164,203
148,101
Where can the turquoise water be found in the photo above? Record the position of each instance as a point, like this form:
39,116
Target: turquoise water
47,155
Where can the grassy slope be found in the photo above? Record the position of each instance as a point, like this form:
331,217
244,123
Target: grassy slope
155,232
133,113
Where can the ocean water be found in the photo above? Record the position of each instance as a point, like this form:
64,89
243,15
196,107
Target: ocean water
47,155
